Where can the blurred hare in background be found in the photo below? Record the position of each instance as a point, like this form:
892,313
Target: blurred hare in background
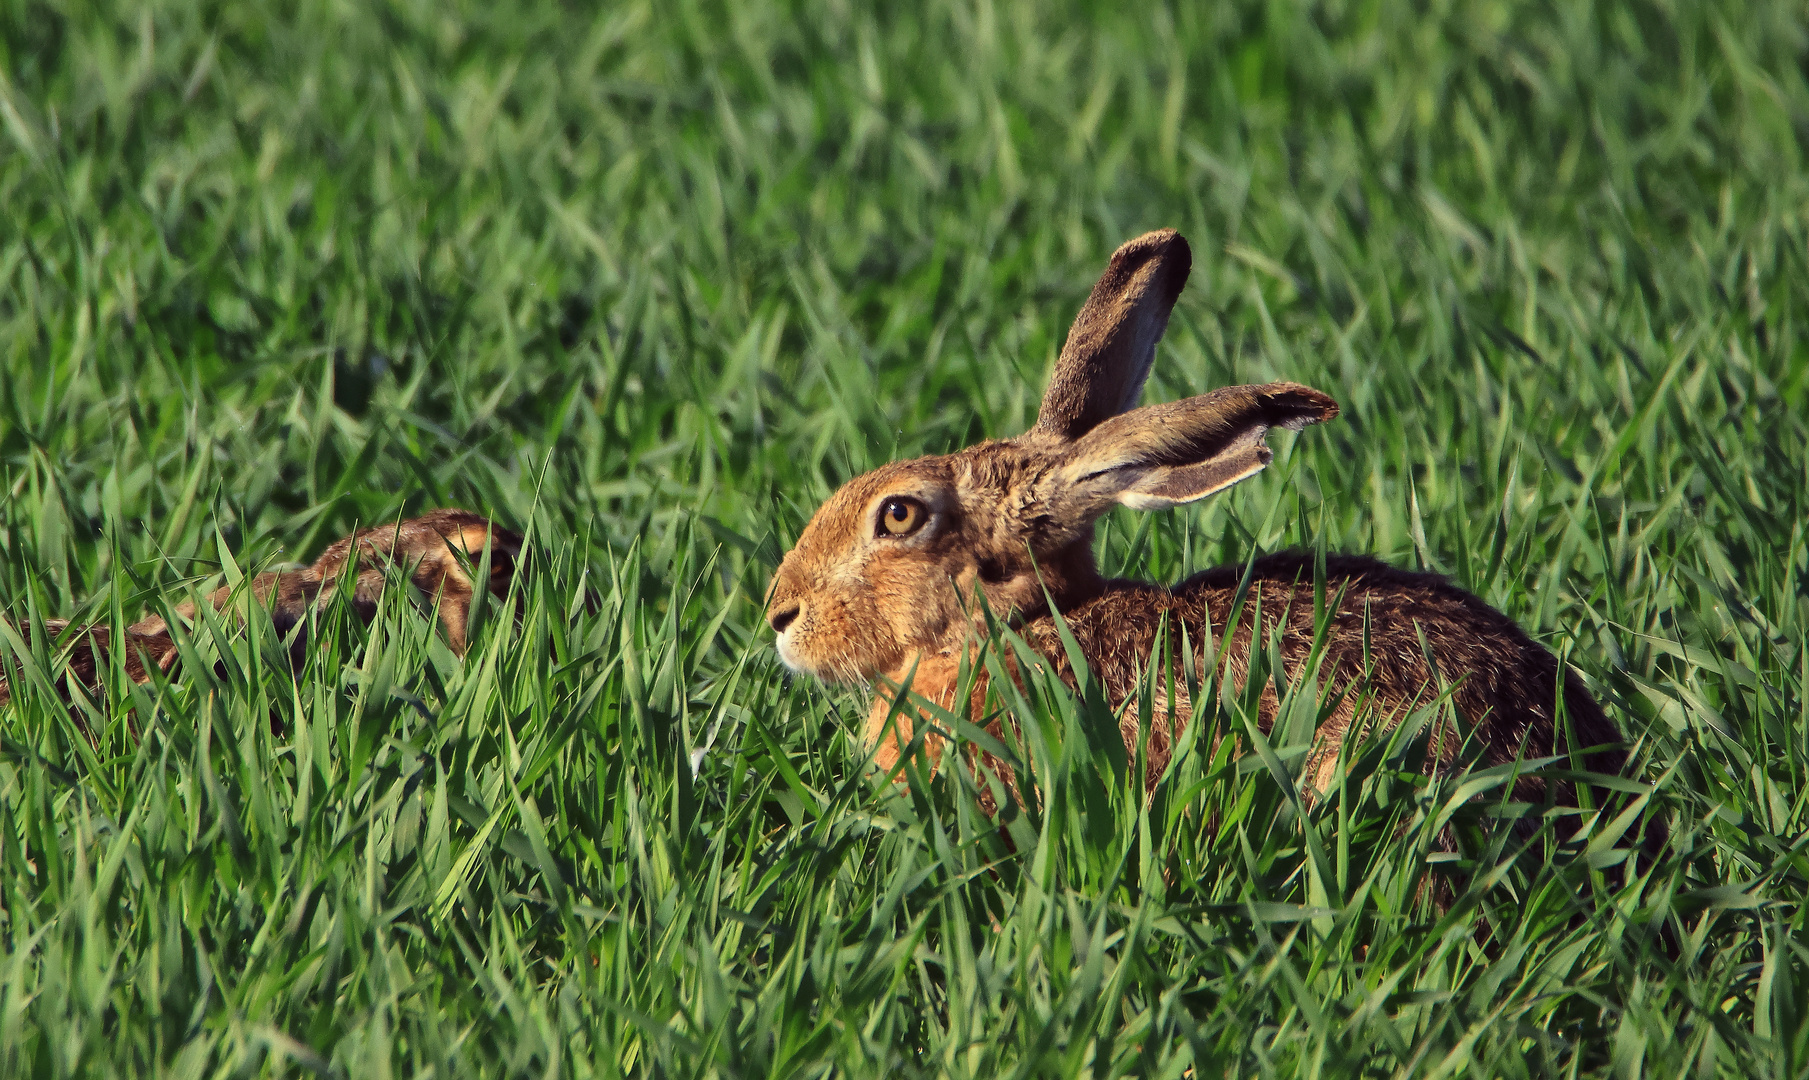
433,550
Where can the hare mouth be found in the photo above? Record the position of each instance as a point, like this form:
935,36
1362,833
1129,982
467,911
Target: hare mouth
800,661
843,667
788,655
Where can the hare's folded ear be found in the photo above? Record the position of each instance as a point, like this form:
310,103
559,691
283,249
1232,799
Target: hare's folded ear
1109,351
1164,455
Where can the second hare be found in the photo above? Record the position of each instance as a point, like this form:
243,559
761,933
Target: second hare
880,583
435,551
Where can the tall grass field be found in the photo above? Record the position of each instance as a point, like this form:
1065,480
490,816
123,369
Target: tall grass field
647,283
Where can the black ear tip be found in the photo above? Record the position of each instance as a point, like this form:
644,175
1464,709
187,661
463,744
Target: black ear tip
1296,406
1159,259
1164,245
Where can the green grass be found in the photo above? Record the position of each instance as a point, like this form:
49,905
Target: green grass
652,282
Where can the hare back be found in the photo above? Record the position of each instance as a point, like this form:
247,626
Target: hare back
89,650
1394,641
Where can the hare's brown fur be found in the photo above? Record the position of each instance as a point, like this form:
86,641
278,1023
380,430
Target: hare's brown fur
1378,638
429,547
879,586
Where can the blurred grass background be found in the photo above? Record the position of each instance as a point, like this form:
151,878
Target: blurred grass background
650,281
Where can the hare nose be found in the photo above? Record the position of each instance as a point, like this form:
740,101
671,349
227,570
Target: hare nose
784,617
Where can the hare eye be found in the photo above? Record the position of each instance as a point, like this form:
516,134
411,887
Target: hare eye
900,516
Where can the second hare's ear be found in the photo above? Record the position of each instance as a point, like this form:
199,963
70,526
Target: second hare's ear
1109,351
1165,455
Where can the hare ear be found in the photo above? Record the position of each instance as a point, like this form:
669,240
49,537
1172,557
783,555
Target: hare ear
1109,351
1165,455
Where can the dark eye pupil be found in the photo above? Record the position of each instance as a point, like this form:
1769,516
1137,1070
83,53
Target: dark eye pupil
899,512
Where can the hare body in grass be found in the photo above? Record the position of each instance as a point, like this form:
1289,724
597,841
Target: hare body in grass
434,550
878,587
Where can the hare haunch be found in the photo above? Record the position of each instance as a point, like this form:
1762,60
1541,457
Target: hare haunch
879,585
433,549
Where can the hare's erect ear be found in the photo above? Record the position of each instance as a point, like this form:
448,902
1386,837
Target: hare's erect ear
1164,455
1108,353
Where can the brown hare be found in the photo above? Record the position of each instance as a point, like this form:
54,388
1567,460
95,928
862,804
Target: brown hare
879,586
434,549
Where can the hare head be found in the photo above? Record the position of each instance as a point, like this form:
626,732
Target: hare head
887,566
